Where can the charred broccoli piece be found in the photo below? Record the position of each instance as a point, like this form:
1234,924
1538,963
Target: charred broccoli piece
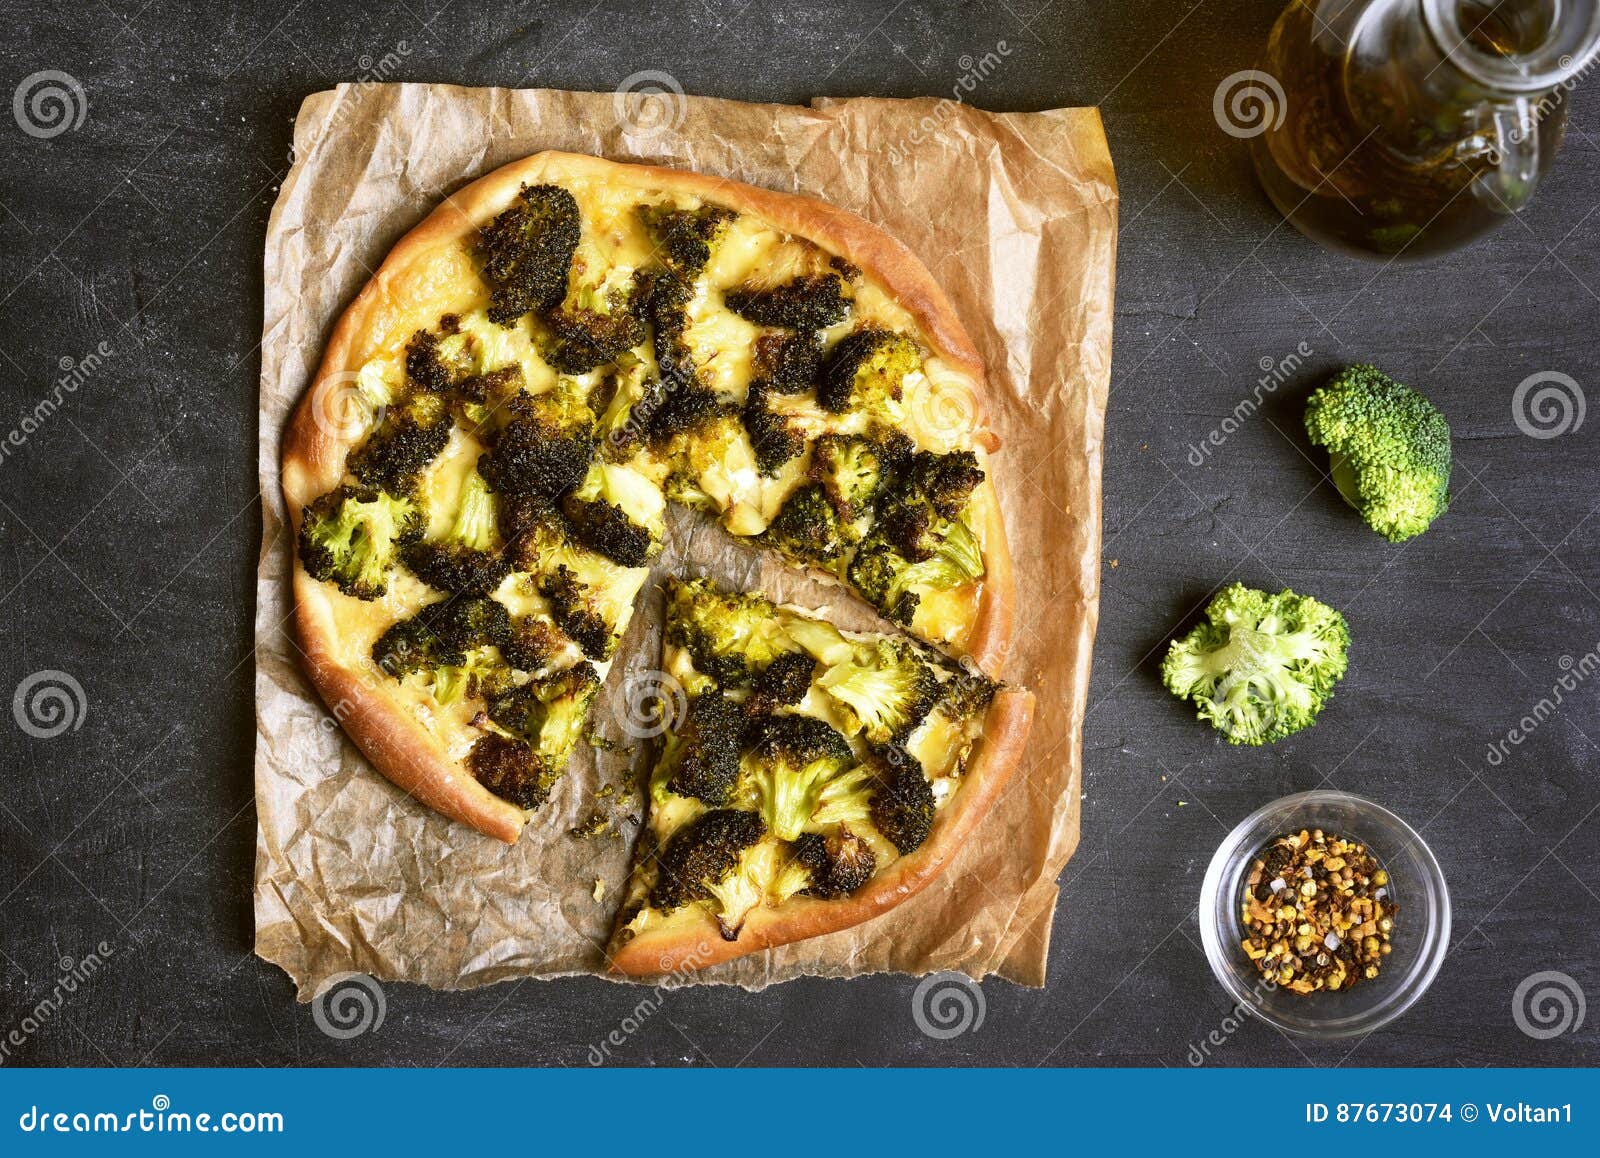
597,327
773,436
465,560
968,693
686,237
584,604
454,642
533,644
809,303
885,692
850,470
527,252
352,535
546,444
702,854
549,713
808,527
866,370
618,513
837,864
503,383
894,584
943,482
433,366
783,682
787,362
706,750
788,761
510,769
731,637
409,439
533,527
902,804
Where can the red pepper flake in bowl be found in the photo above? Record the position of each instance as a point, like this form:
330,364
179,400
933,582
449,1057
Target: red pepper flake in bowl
1317,913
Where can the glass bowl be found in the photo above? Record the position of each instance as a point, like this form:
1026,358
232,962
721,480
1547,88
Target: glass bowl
1421,932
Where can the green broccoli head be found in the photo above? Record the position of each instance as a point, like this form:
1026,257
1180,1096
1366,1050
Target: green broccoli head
1261,666
467,559
787,762
351,536
837,864
527,252
546,442
702,855
902,806
1389,448
549,713
809,303
685,238
866,371
885,692
410,437
730,636
808,528
705,755
894,583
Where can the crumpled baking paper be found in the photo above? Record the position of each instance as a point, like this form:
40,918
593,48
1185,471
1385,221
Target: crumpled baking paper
1015,214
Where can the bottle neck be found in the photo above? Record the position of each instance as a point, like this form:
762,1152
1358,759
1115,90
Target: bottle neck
1513,48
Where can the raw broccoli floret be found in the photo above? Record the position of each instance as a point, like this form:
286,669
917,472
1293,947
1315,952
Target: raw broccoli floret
352,535
701,854
837,864
466,560
619,513
731,637
850,470
788,761
1389,448
546,443
809,303
549,712
685,237
902,806
705,755
866,372
410,437
1261,666
782,682
808,528
885,692
527,252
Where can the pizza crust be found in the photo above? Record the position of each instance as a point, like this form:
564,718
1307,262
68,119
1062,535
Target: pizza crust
422,279
695,943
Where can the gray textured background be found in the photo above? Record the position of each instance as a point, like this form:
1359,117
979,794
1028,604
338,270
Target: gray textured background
129,522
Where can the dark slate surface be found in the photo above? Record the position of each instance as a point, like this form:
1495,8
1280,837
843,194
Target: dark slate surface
129,521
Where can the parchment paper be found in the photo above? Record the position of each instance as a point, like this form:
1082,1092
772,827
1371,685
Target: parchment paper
1015,214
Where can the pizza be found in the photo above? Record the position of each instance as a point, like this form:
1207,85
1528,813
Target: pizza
811,778
478,480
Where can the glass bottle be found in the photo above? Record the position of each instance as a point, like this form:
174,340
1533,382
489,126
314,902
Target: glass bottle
1406,128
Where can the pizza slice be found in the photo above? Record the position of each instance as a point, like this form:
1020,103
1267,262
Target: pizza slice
812,779
477,481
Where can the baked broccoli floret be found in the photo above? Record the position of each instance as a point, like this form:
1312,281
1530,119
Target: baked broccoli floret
789,760
411,436
808,527
432,365
902,805
584,602
944,482
465,560
546,444
527,252
731,637
968,694
619,513
847,799
705,754
510,769
787,362
685,490
453,643
702,854
533,527
837,865
351,536
850,470
1261,666
773,436
598,327
1389,448
549,712
783,682
533,644
686,237
809,303
885,692
894,584
866,370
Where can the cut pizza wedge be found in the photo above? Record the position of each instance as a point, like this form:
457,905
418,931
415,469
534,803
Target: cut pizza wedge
813,778
478,478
